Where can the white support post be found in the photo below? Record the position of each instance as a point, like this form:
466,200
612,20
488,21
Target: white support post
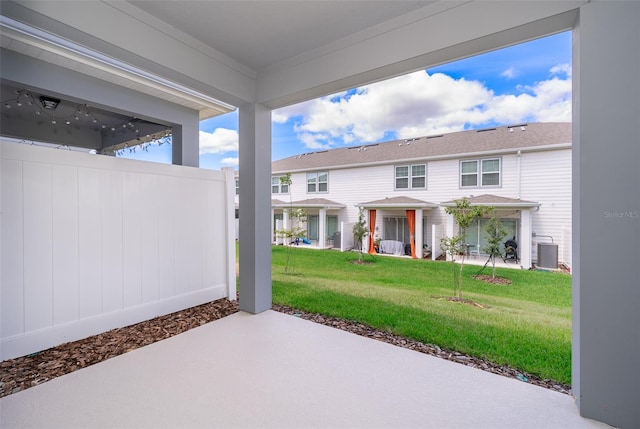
322,228
524,247
450,224
286,225
273,234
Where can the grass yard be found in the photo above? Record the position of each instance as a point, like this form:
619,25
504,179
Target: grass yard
525,325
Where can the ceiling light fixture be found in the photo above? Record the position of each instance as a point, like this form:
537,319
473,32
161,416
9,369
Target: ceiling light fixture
49,102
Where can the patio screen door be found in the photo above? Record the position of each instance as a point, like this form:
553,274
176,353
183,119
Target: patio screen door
477,239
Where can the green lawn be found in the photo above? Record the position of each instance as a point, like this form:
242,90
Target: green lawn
526,325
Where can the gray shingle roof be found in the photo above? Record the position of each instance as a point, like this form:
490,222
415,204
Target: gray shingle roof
496,201
400,201
458,144
311,202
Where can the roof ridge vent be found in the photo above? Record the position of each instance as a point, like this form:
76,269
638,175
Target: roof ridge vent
485,129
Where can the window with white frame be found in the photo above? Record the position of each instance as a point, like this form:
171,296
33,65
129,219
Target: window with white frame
317,182
237,187
277,187
480,173
411,176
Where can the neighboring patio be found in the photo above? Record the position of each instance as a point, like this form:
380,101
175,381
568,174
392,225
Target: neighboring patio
276,370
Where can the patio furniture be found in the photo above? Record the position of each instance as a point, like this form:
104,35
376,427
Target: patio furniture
392,247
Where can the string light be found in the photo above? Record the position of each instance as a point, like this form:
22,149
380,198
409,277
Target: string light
83,110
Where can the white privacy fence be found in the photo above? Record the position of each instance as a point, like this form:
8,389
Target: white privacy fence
437,233
346,236
91,243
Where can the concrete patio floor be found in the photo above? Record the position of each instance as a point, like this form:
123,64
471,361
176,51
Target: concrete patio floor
277,371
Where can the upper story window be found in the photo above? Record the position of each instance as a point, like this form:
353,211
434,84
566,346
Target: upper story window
277,187
317,182
480,173
237,186
411,176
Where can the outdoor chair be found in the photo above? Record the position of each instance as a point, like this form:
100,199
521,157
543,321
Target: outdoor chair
510,250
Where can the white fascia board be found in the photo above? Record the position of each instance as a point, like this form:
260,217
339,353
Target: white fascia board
70,50
421,39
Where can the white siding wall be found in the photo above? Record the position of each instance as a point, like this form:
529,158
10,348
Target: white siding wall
90,243
545,177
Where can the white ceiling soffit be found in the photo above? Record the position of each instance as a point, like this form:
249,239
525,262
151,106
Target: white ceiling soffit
259,34
30,41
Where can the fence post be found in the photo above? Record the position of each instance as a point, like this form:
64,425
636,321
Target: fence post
230,219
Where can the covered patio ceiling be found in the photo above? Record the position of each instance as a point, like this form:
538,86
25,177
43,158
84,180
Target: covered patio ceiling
211,56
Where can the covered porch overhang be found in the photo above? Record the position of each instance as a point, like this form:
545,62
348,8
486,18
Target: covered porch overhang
408,204
322,205
504,207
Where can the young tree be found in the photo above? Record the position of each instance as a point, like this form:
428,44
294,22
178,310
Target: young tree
453,246
464,214
360,231
297,221
496,232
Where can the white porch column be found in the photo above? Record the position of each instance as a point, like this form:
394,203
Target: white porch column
450,224
286,225
322,228
255,204
524,247
273,234
606,213
419,233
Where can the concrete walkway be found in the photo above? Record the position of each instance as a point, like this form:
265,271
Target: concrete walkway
277,371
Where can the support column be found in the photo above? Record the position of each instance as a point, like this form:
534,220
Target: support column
273,235
185,143
606,213
524,246
255,207
419,234
286,224
322,228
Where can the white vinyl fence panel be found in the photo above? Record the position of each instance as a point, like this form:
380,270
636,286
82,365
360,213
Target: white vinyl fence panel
346,236
91,243
437,233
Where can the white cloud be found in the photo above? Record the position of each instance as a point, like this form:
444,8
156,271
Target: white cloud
232,162
509,73
561,69
421,104
221,140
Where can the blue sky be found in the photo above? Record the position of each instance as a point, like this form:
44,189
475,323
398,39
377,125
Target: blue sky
530,82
